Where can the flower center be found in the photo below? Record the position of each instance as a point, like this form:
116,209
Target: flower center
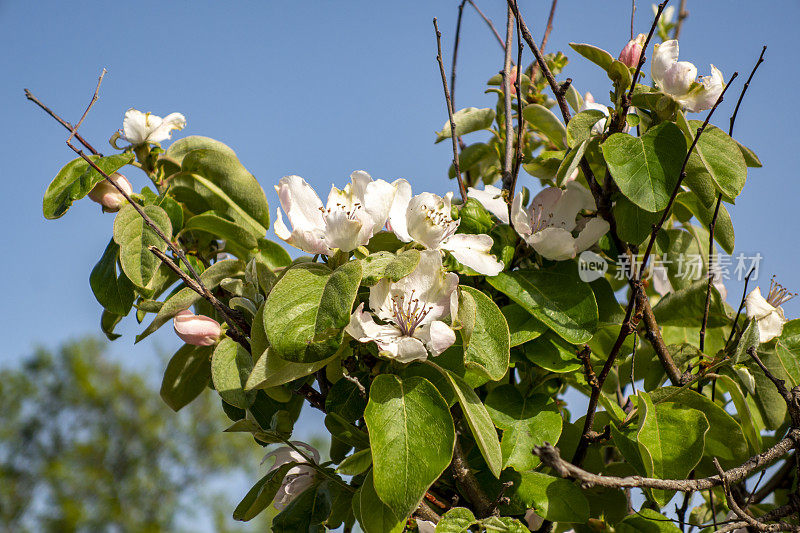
541,219
409,313
442,219
350,211
778,294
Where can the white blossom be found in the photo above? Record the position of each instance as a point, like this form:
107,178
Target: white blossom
679,79
348,220
492,199
425,526
426,219
140,128
298,478
767,312
410,310
548,223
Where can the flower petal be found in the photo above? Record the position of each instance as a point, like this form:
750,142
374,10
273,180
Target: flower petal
664,56
429,220
473,251
398,212
771,326
704,95
343,232
163,131
591,233
556,244
437,336
756,306
492,199
520,216
134,127
410,349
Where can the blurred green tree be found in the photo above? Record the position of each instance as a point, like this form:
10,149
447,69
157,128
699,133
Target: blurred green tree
87,444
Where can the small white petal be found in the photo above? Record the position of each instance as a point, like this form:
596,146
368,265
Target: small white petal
492,199
473,251
555,244
520,216
410,349
134,128
397,222
426,526
756,306
437,336
591,233
664,56
173,121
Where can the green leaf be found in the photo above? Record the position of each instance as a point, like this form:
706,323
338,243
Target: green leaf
230,366
571,162
685,307
271,371
480,423
580,126
346,431
108,321
261,494
646,168
554,499
180,148
723,229
186,375
718,159
356,464
216,180
545,121
552,353
620,74
344,398
135,238
556,297
526,423
671,440
646,521
382,265
523,326
75,180
750,339
186,297
484,334
596,55
743,410
634,224
404,416
471,157
456,520
503,524
308,308
112,289
222,229
750,157
467,120
372,514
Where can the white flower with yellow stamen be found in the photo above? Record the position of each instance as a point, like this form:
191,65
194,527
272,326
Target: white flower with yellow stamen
411,309
767,312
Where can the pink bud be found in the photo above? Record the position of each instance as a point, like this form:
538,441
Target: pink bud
512,80
198,330
632,51
108,196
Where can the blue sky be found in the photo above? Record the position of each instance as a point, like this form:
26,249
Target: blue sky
321,89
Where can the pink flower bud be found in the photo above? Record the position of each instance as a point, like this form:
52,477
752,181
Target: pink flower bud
512,80
198,330
633,50
108,196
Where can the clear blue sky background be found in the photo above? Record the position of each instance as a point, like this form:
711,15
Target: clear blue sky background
319,89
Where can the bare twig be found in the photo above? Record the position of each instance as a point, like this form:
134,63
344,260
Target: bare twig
450,111
520,118
506,73
744,89
633,12
89,107
354,380
551,458
741,306
681,177
683,14
425,512
29,95
546,36
488,21
455,52
501,499
315,398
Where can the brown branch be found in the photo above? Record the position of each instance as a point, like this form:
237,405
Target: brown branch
775,514
488,21
681,177
424,512
450,110
713,223
506,73
469,484
455,52
520,118
549,27
633,12
74,129
29,95
780,479
552,459
683,14
316,399
501,499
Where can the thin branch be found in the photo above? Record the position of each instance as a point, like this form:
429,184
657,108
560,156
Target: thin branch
520,118
425,512
549,27
551,458
741,306
501,499
315,398
468,483
488,21
681,177
683,14
713,223
234,333
450,111
455,52
29,95
506,73
89,107
633,12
